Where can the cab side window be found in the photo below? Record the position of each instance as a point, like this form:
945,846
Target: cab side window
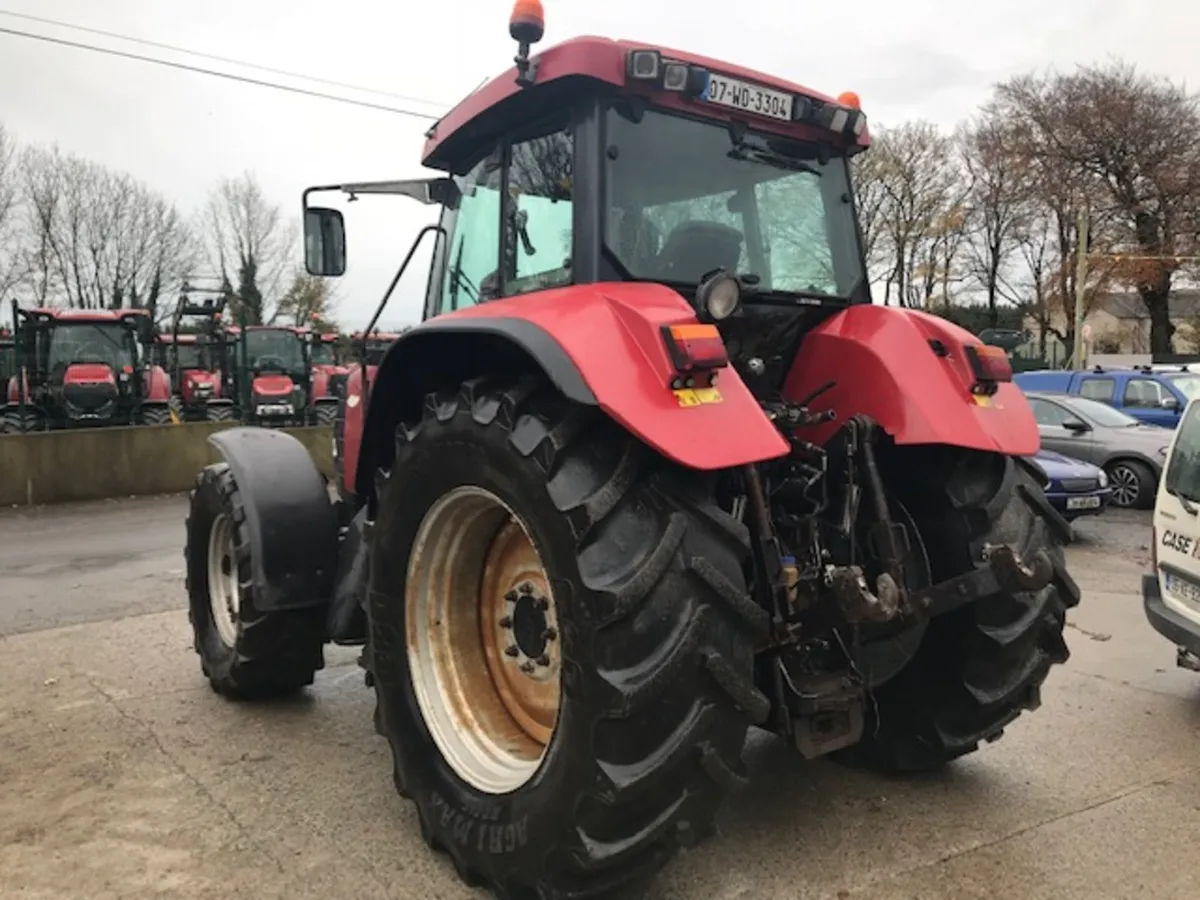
473,252
1183,471
1143,393
1097,389
538,223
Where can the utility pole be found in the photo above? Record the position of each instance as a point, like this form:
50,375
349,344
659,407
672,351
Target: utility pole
1081,272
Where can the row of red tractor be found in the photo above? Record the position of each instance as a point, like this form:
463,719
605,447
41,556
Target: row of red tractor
83,368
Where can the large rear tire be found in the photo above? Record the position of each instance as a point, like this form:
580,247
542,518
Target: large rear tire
244,653
647,643
979,667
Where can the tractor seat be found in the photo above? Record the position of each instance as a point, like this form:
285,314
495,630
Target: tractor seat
695,248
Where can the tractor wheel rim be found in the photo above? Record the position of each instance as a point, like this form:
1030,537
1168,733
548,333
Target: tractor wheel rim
224,588
1125,485
483,640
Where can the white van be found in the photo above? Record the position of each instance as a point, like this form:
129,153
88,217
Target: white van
1171,595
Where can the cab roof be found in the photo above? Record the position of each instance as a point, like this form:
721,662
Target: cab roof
85,315
484,112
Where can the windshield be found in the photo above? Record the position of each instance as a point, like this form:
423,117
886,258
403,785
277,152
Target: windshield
685,198
322,354
1187,383
275,349
190,356
1101,413
82,342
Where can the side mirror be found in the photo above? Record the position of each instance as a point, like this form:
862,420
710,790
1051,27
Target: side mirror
1078,426
324,242
1169,403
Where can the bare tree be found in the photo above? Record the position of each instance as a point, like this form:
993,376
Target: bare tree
95,238
251,244
919,203
1127,140
10,253
999,186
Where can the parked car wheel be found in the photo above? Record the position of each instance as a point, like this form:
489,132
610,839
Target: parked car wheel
1132,483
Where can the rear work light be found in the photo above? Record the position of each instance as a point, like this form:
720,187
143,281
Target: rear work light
990,366
695,349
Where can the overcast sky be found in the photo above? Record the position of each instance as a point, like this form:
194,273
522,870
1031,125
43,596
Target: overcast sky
180,131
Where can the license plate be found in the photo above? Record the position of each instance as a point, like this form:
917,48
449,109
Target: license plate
735,94
1182,590
1083,503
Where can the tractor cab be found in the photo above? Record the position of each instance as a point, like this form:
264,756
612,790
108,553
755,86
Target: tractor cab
608,161
84,367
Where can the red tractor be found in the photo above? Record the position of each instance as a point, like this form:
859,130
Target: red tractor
328,378
653,470
84,367
268,369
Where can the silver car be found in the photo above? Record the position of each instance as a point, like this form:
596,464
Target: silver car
1130,452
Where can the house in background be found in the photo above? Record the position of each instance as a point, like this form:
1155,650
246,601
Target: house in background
1120,323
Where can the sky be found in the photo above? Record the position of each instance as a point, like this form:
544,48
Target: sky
181,132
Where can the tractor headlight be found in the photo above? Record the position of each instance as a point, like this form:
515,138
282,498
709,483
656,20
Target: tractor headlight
718,296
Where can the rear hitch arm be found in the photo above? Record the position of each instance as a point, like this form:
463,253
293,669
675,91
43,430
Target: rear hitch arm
1005,571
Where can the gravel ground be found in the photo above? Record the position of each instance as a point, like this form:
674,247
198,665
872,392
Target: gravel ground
125,777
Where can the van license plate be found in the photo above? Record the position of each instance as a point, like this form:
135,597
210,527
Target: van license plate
1182,590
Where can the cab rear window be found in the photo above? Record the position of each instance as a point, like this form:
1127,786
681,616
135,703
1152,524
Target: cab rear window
1183,470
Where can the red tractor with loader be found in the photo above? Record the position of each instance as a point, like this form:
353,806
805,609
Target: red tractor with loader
195,360
78,368
652,470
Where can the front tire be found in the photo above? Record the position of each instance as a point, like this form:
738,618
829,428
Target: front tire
654,637
978,667
155,415
326,413
244,653
220,413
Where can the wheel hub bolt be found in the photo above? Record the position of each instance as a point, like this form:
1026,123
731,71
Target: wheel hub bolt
526,588
541,604
506,622
512,650
511,597
543,660
550,634
527,667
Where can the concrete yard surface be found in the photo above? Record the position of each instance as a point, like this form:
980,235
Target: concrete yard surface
123,775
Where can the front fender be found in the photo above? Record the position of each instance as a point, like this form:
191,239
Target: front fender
601,345
291,523
885,365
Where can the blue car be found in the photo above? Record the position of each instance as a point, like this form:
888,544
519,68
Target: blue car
1151,397
1074,487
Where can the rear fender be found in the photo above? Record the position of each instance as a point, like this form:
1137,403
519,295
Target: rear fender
599,344
885,365
289,519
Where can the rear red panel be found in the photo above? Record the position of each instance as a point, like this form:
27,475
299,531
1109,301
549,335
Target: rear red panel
612,332
885,367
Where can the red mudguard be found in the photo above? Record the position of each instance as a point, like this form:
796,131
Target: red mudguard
612,334
907,370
